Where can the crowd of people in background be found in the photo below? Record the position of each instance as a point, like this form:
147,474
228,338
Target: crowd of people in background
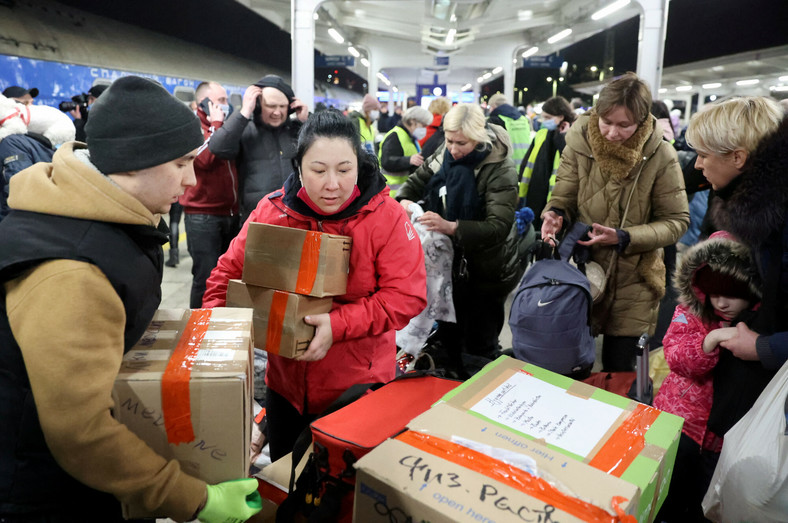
647,188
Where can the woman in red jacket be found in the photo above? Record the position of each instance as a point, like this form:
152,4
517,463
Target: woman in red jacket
337,188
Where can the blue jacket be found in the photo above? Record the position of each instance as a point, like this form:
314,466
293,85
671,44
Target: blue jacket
17,152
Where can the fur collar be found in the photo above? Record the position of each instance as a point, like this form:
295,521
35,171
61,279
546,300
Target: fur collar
755,209
723,255
617,160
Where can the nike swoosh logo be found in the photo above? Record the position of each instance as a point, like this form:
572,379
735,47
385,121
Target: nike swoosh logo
540,304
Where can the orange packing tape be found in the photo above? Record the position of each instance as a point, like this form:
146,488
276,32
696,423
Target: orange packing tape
310,258
514,477
276,320
175,397
617,454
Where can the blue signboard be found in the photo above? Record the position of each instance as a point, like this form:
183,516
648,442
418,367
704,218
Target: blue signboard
429,90
548,62
334,61
58,81
441,60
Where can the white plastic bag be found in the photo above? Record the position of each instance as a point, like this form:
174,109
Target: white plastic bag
750,482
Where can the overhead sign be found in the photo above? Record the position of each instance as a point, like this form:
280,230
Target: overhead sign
334,61
441,60
547,62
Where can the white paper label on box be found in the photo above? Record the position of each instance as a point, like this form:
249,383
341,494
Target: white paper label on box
146,355
216,354
544,411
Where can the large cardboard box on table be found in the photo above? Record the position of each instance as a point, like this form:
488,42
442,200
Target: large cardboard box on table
186,389
595,447
619,436
295,260
279,326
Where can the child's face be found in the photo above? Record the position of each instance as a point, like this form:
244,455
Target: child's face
728,307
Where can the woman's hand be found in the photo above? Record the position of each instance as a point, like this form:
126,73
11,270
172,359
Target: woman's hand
435,222
601,235
742,345
551,225
324,338
416,159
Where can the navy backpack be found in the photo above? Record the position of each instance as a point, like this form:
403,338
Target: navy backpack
550,317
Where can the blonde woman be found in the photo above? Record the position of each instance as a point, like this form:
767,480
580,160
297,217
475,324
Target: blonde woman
469,190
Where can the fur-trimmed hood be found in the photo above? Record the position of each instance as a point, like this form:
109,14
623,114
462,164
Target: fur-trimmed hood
755,207
722,255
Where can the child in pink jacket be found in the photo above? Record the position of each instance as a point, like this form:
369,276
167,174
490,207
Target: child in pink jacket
716,281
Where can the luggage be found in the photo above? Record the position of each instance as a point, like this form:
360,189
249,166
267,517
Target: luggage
550,318
635,385
350,428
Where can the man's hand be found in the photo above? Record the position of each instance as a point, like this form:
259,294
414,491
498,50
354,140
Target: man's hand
416,160
231,501
301,109
601,235
76,112
743,344
324,338
251,95
216,113
551,225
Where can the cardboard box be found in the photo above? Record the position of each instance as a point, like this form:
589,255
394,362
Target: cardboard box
279,326
619,436
295,260
400,481
186,390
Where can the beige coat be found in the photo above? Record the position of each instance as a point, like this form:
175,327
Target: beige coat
658,216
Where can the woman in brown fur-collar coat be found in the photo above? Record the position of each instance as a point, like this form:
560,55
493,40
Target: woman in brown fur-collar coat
618,175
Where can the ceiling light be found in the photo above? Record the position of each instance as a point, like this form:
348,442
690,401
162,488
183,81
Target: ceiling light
383,79
752,81
783,78
682,88
365,62
479,80
497,70
352,50
594,69
450,36
465,87
394,88
712,85
315,16
524,15
530,52
338,38
487,75
779,88
662,90
612,8
559,36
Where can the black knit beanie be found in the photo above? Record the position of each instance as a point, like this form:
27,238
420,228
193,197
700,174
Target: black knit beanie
136,124
271,80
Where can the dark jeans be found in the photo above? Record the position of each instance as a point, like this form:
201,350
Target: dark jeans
207,238
618,353
285,424
691,477
175,219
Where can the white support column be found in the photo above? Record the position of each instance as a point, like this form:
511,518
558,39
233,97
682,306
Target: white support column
651,42
372,74
509,74
302,56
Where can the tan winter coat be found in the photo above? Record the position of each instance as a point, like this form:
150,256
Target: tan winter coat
658,216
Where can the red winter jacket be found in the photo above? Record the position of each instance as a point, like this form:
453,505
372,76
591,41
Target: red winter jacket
386,288
216,191
688,389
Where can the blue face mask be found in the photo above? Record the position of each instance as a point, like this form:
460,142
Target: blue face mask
549,124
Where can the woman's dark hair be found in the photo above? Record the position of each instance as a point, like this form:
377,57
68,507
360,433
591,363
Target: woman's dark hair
558,106
330,123
659,109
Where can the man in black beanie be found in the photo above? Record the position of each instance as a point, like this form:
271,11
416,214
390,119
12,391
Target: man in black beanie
81,267
261,138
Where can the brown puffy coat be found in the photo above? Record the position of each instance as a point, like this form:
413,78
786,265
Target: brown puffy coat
658,216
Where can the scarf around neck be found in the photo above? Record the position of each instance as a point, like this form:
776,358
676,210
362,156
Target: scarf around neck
460,200
617,160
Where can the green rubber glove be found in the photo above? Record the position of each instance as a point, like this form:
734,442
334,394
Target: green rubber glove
231,502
